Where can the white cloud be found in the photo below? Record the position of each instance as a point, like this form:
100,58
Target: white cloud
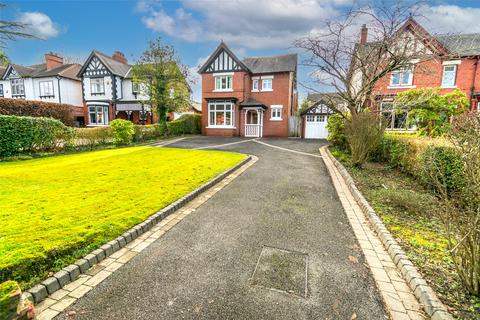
39,25
450,19
251,24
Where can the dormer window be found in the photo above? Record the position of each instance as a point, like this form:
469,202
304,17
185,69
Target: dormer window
18,88
135,87
97,86
46,89
223,81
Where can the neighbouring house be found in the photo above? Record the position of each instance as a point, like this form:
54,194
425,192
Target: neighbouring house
194,108
109,92
51,81
456,67
253,97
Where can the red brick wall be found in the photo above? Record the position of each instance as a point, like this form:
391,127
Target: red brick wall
242,90
428,74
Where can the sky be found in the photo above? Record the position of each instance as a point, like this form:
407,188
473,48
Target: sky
195,27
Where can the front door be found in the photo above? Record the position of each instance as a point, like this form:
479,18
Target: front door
253,123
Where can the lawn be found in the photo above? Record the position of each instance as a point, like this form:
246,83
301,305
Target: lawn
56,209
409,211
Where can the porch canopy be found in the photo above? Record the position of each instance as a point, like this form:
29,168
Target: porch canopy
252,103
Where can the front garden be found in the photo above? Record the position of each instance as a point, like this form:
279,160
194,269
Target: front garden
425,190
56,209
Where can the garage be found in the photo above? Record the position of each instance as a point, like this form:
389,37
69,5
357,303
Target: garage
314,120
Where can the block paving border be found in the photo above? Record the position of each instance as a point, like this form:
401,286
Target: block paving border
395,275
56,293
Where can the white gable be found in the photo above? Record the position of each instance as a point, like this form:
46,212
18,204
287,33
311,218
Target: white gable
223,62
12,74
95,68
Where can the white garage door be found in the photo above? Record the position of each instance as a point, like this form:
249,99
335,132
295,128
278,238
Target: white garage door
316,127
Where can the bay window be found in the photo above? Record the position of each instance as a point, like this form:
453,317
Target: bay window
18,88
46,89
221,114
98,115
402,77
97,86
223,82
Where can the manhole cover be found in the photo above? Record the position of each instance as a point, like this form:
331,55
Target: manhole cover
282,270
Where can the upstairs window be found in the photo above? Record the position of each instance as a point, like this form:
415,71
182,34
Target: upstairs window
135,87
1,90
46,89
267,83
97,86
449,75
223,82
403,77
255,85
18,89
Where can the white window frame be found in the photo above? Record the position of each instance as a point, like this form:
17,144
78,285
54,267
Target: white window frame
97,110
393,115
17,87
402,83
255,82
95,86
455,69
213,109
265,80
1,90
47,84
218,82
274,109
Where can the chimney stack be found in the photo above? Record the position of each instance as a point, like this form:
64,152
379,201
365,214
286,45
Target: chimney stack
53,60
363,34
120,57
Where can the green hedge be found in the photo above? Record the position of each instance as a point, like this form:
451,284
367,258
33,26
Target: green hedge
28,134
30,108
123,132
186,124
420,157
149,132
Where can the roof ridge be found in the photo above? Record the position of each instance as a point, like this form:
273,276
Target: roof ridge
274,56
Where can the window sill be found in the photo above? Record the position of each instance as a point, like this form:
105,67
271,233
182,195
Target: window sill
255,91
276,119
223,90
402,87
47,97
448,87
97,125
267,90
98,94
221,127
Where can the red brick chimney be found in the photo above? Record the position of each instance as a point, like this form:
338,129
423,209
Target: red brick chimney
120,57
53,60
363,34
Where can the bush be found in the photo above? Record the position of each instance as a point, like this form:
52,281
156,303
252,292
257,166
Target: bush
8,302
364,134
28,134
149,132
123,131
19,107
336,131
186,124
91,137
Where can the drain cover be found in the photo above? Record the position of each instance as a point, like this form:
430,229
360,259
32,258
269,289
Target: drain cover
282,270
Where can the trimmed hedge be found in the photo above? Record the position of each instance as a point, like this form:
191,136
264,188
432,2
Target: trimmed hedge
149,132
28,134
420,156
28,108
123,132
91,137
186,124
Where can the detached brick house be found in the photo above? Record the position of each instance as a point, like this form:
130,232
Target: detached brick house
456,68
253,97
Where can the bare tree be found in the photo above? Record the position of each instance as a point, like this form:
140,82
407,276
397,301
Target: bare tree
353,66
11,30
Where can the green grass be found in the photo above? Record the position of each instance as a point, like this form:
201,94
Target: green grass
53,210
409,211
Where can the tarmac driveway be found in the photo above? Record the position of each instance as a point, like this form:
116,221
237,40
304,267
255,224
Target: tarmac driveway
203,268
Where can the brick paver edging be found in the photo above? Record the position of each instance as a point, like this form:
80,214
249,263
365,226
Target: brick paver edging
70,273
424,293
